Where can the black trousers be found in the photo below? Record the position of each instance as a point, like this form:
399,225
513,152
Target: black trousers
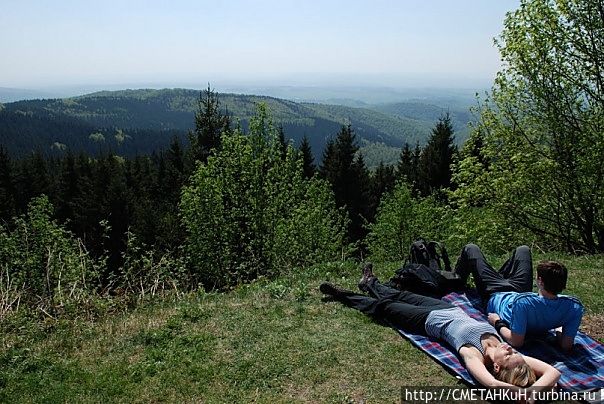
516,274
404,309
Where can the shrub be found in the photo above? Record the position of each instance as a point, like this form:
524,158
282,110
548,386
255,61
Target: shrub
249,211
148,272
390,235
401,218
42,264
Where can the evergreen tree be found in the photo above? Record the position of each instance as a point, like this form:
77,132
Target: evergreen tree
437,157
404,169
143,211
362,204
171,233
308,161
282,142
33,178
175,169
209,125
349,179
415,168
117,212
328,167
382,181
7,186
87,205
67,188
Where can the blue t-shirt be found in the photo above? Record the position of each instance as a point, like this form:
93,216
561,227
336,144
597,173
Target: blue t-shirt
530,313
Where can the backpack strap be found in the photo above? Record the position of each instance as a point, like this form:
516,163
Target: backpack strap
440,252
419,253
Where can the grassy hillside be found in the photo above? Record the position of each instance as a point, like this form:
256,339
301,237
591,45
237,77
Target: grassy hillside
269,342
152,117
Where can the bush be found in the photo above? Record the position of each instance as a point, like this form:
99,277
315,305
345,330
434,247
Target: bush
394,228
401,219
249,211
148,272
41,264
485,227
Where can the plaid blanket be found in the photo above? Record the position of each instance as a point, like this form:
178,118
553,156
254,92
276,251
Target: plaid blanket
582,370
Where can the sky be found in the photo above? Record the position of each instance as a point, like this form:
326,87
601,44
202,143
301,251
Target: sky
45,43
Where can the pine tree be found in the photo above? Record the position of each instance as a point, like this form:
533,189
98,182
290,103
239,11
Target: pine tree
437,156
7,186
282,142
67,189
382,181
87,205
328,167
209,125
404,168
308,161
117,212
349,179
175,169
33,179
362,204
415,168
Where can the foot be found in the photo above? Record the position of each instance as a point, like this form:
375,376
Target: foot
332,290
367,276
461,272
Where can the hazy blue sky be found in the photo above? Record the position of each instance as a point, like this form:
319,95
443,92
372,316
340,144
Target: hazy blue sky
283,42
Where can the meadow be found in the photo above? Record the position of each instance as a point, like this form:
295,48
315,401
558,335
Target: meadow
268,341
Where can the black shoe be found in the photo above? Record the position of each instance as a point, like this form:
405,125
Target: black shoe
367,276
333,290
462,273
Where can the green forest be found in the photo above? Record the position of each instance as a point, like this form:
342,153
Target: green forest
139,122
141,210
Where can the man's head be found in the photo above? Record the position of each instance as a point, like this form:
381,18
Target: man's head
552,275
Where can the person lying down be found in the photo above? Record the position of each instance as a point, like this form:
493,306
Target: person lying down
490,361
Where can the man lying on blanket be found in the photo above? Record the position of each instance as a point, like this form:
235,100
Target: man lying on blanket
490,361
513,309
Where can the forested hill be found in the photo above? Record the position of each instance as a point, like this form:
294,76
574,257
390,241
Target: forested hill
148,119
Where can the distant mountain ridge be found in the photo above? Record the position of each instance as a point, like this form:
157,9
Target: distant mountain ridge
152,117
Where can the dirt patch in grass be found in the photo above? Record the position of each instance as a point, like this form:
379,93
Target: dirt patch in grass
593,324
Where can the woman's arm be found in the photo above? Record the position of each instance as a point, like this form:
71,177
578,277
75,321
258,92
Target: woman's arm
474,362
547,375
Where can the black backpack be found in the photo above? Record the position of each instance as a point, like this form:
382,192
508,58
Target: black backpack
430,254
423,271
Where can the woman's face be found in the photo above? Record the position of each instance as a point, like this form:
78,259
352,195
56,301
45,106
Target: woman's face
505,357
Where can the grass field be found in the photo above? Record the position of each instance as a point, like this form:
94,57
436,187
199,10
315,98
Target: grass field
267,342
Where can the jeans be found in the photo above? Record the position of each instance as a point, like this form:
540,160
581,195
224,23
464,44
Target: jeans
516,274
404,309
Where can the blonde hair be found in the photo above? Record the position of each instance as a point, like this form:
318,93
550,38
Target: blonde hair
522,375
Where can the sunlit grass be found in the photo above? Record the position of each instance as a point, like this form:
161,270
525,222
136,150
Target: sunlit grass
268,342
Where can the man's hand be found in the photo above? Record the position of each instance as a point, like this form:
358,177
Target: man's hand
493,317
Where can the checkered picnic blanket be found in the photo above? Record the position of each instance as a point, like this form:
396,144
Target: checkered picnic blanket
582,370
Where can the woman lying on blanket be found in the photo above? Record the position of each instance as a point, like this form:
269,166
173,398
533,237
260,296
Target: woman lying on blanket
491,362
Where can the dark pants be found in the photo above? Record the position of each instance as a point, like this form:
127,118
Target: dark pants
399,308
516,274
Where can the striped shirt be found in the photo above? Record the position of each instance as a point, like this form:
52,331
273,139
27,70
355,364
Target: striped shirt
457,328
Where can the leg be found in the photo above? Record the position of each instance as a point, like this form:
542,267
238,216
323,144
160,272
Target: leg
383,292
518,269
411,317
487,280
406,316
